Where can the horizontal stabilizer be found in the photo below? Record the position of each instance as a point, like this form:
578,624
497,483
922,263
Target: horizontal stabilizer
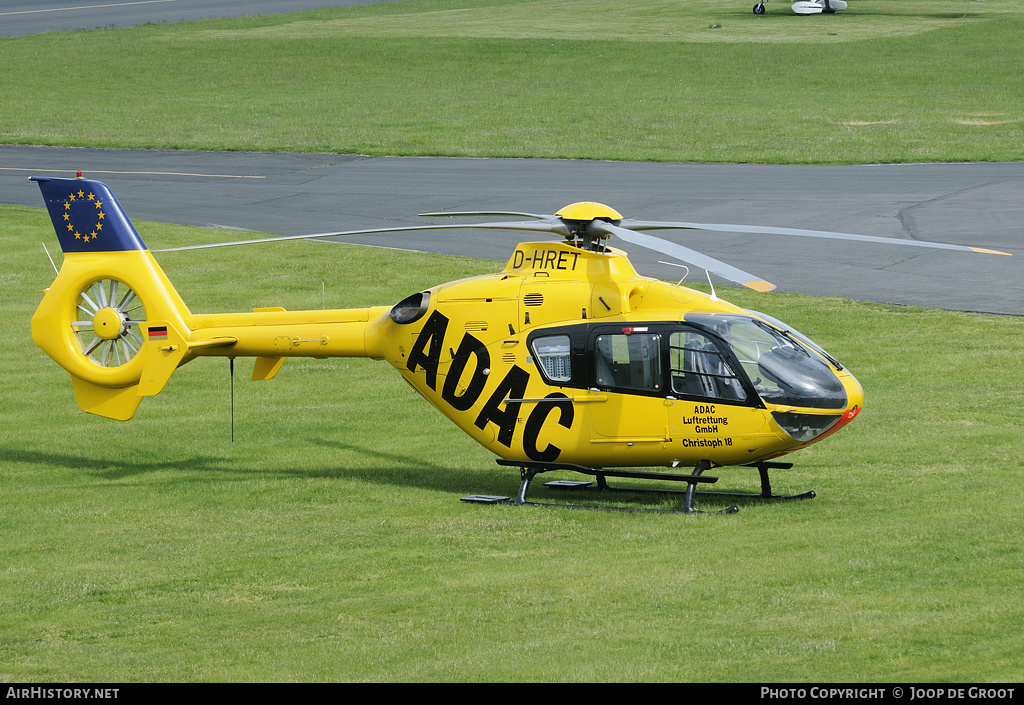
266,367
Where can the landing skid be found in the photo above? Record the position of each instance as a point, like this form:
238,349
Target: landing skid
529,470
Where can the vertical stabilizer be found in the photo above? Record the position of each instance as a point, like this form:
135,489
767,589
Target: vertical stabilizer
87,217
96,319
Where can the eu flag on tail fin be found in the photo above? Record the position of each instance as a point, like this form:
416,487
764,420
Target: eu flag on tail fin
86,216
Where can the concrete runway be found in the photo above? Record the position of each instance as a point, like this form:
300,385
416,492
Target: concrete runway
287,194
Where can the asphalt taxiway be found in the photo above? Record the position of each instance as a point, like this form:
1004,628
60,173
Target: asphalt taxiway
980,205
23,17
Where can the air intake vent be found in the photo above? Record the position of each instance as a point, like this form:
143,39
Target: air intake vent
533,299
476,325
508,358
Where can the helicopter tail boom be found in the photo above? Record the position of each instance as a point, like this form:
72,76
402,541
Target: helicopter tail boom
113,320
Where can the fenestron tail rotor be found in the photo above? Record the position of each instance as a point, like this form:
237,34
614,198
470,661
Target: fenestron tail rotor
108,314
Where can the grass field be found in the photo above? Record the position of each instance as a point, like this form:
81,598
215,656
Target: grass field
327,542
668,80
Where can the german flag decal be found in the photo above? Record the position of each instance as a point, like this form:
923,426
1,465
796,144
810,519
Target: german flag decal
158,333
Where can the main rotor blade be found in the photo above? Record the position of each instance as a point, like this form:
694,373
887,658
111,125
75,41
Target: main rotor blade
549,225
726,271
556,228
486,214
826,234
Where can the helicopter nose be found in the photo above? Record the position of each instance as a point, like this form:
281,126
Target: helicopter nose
854,397
854,404
813,428
846,418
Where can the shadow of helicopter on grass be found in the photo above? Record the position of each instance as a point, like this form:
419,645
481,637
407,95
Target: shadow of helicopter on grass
396,470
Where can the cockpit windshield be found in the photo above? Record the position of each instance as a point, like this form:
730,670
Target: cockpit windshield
789,330
782,370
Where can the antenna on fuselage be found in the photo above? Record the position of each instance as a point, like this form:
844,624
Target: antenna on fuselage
52,263
714,296
231,367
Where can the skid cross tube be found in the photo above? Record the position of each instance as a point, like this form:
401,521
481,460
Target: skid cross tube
766,486
528,470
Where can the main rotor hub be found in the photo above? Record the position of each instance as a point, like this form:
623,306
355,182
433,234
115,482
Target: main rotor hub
578,217
587,211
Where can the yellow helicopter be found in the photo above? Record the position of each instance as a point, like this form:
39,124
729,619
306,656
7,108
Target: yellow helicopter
567,359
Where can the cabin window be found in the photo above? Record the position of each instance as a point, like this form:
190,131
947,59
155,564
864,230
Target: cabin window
554,355
629,360
699,369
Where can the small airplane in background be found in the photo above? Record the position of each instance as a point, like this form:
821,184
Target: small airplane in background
809,7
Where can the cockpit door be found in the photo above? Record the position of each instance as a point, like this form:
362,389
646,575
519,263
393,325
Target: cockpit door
710,405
